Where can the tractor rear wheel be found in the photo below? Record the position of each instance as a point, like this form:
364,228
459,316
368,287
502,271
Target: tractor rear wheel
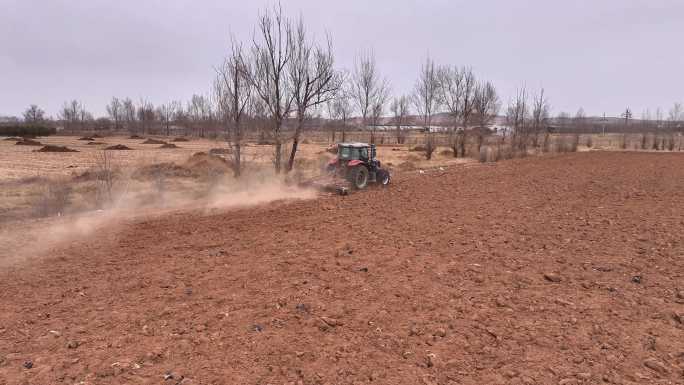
359,177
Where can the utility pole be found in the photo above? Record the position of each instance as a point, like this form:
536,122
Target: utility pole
604,124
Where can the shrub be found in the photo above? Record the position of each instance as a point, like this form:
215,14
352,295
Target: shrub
26,130
53,198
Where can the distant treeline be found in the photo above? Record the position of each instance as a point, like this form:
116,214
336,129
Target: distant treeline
26,130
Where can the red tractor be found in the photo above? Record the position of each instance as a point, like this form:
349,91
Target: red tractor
357,163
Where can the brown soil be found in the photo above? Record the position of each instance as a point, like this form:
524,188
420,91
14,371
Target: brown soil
12,139
181,139
135,137
118,147
88,138
153,141
95,143
97,136
559,270
52,148
28,142
168,145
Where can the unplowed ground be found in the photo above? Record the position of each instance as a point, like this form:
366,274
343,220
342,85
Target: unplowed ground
559,270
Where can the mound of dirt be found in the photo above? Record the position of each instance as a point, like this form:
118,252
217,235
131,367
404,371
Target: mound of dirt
446,153
97,136
153,141
12,138
118,147
28,142
332,149
53,148
135,137
95,143
220,151
88,138
207,164
168,145
181,139
417,148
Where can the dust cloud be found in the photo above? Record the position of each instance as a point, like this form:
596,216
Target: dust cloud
30,239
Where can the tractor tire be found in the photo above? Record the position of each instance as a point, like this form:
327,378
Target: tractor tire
358,176
384,177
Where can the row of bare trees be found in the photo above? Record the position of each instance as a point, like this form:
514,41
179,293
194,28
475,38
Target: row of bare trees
470,104
283,77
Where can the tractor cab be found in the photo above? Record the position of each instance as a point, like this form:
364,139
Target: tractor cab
355,151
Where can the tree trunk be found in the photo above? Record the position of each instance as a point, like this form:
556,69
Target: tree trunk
236,160
295,144
278,153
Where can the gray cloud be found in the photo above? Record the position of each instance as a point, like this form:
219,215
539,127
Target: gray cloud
602,55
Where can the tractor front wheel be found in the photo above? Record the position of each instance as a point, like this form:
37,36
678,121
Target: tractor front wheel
359,177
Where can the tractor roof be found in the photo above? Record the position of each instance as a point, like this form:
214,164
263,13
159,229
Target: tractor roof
354,144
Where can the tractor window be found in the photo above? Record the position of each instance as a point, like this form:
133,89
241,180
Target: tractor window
345,153
364,153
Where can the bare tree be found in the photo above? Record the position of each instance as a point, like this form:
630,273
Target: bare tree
271,54
70,114
368,89
199,114
146,116
85,118
516,118
426,100
457,90
342,107
115,112
580,121
313,79
400,111
451,93
234,94
540,117
34,115
486,106
167,113
129,114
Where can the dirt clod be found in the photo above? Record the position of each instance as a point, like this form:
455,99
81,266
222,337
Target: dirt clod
553,277
28,364
656,365
72,344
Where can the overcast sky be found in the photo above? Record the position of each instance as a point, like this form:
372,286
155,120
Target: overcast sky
603,55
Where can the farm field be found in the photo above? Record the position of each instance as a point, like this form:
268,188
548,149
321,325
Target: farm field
562,269
146,172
